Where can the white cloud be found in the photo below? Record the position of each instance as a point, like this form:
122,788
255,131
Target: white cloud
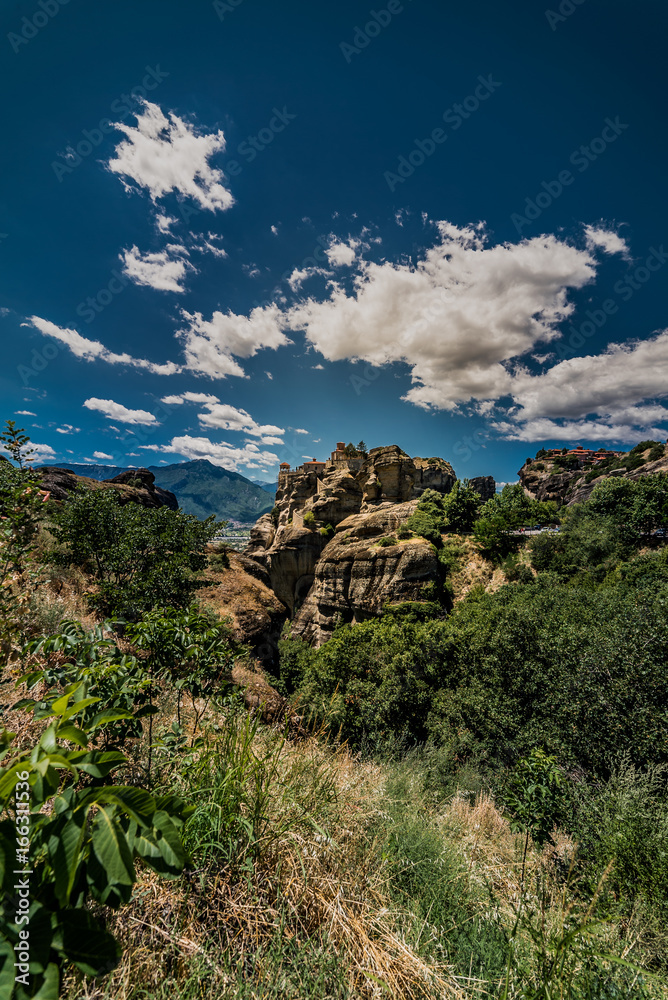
103,456
24,413
163,155
80,346
211,344
164,223
608,240
342,254
299,430
163,271
221,454
274,230
67,429
189,397
269,376
574,431
318,368
91,350
457,317
116,411
559,403
299,276
622,376
40,452
228,418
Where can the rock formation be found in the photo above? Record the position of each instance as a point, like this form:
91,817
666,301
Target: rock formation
242,592
320,544
136,486
355,576
543,479
485,486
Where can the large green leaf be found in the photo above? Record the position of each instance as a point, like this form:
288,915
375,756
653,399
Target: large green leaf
83,942
64,846
114,879
7,970
136,802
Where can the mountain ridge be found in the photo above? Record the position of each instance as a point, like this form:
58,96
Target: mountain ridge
201,487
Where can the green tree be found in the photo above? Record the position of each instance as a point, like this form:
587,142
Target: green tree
17,444
461,507
21,507
140,558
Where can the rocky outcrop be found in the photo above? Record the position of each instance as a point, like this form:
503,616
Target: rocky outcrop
144,480
136,486
243,593
544,480
323,579
290,562
387,474
356,576
433,474
485,486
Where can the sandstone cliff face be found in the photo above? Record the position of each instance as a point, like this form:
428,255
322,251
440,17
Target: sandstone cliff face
134,486
321,579
433,474
355,576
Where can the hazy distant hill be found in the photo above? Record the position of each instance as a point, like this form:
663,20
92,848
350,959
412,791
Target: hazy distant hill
200,487
269,487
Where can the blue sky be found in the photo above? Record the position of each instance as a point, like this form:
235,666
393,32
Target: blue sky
245,230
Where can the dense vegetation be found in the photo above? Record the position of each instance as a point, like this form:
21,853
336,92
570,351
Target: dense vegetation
464,800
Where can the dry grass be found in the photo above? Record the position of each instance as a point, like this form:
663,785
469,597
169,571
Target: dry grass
474,571
317,883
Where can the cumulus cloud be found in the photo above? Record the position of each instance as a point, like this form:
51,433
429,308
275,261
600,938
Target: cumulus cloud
341,254
458,317
610,387
164,222
25,413
163,155
164,271
67,429
228,418
102,456
189,397
605,383
225,455
116,411
91,350
300,275
211,345
299,430
608,240
41,452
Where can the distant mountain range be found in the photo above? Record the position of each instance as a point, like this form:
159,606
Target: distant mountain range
200,487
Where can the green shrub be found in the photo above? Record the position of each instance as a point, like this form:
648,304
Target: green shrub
327,531
139,558
86,834
624,821
385,542
309,519
403,532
